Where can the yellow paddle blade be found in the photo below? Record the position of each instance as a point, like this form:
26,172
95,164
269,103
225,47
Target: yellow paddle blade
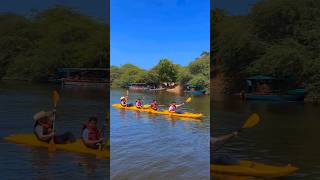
252,121
51,146
55,98
188,100
146,106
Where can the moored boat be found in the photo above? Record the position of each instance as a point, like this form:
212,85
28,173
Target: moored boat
81,77
274,97
266,88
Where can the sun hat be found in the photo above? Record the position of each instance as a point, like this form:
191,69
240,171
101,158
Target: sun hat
42,114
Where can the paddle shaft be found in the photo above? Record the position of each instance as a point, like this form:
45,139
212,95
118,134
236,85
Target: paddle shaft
53,121
224,142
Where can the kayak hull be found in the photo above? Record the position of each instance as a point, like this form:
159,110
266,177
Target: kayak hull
253,169
185,115
77,147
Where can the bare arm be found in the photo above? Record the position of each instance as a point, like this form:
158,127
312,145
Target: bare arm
221,140
180,105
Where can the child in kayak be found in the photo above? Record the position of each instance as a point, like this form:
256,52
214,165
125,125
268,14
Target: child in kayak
216,143
139,104
173,107
43,129
90,134
154,105
124,101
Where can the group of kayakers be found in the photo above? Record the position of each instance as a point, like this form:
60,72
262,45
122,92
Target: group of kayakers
153,105
43,130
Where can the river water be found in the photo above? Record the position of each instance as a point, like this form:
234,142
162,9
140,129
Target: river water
287,133
146,146
19,102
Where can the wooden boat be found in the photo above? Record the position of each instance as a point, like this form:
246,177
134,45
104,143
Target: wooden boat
84,82
157,89
274,97
266,88
81,76
195,90
138,86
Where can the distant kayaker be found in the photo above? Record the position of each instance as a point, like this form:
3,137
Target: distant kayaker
90,134
43,129
173,107
139,103
154,105
218,142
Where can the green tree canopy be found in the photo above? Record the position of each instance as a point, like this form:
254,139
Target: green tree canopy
166,70
59,37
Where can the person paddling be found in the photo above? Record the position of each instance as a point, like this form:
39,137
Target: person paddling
43,129
139,104
173,107
90,134
218,142
154,105
124,101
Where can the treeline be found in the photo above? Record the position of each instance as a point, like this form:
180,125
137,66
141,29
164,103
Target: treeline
276,38
33,47
196,73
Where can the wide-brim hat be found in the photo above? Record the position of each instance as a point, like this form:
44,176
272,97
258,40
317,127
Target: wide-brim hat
42,114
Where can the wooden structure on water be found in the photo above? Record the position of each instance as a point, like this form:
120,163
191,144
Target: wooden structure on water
82,76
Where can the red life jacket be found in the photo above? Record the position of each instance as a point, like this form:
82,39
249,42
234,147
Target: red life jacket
154,106
45,130
138,103
93,133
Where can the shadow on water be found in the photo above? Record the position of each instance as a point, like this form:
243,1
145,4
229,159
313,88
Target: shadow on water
148,146
19,101
287,133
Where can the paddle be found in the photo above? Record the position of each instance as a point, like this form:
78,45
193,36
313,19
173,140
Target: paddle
251,122
188,100
55,99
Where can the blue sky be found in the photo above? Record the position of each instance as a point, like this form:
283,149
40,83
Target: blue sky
144,31
94,8
234,7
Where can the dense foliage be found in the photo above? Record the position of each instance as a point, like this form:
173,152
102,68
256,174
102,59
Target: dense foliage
196,73
276,38
34,47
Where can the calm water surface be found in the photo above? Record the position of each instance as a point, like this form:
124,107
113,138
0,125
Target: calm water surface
288,133
146,146
19,102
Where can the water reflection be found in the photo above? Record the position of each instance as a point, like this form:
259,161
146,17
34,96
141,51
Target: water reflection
287,133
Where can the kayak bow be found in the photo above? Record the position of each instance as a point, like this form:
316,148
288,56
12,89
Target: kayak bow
77,147
253,169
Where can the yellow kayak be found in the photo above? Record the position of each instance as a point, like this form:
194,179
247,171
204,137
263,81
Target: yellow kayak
253,169
77,147
165,112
